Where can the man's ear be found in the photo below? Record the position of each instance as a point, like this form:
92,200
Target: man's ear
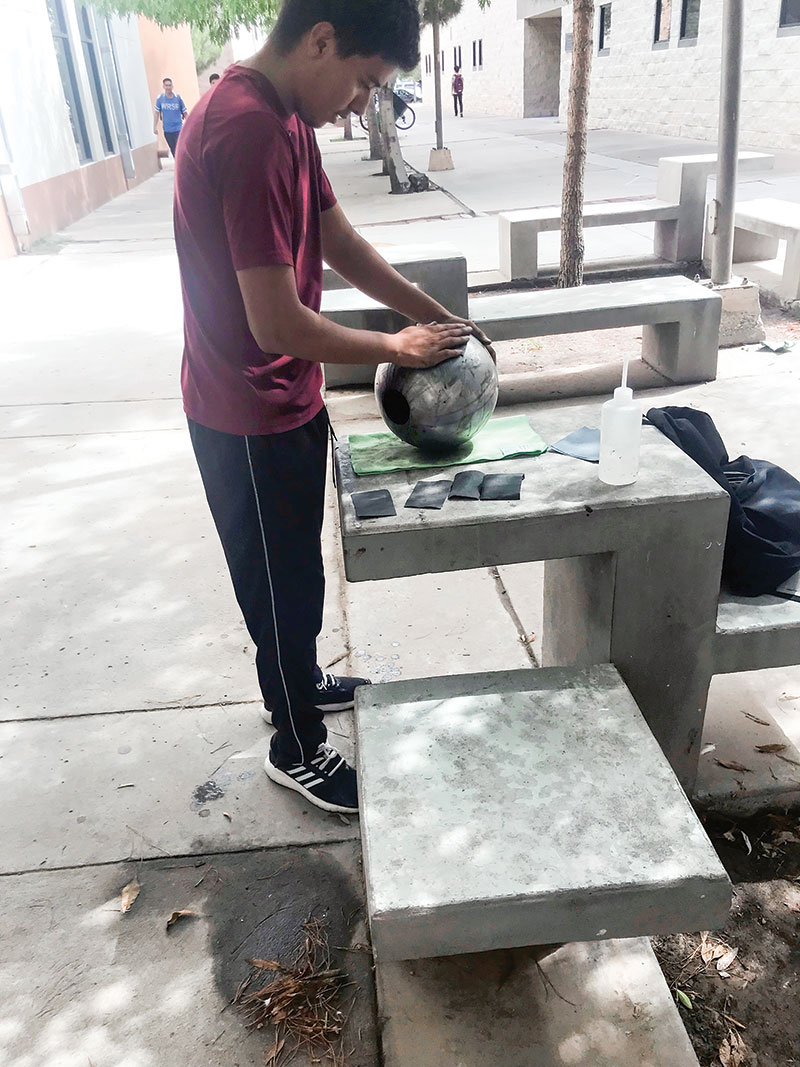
321,40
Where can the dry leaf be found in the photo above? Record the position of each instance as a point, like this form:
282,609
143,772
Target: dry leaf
724,962
732,765
770,748
228,815
276,1051
725,1053
176,916
127,897
755,718
265,965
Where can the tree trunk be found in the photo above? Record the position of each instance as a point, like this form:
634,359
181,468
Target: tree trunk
437,82
571,272
393,160
375,151
348,127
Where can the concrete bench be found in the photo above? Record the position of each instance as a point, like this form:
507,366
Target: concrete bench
760,225
754,633
449,758
678,212
680,319
439,270
519,230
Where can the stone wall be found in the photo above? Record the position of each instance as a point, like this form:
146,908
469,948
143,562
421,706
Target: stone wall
673,89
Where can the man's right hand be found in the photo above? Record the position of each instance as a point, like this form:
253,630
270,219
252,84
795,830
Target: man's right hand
425,346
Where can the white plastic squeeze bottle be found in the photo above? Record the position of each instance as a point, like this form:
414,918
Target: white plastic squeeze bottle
620,436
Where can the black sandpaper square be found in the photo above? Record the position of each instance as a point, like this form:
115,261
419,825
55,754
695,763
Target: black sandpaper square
429,494
373,504
501,486
467,485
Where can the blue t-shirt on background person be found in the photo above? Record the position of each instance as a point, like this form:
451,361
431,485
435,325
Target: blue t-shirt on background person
171,109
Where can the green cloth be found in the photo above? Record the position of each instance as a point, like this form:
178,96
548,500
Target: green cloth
378,453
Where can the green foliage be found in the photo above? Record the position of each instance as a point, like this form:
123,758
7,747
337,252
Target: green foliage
206,51
218,18
444,10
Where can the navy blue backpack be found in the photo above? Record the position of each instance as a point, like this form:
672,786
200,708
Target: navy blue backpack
762,549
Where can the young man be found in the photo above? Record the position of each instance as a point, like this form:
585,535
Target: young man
457,86
213,79
172,111
254,215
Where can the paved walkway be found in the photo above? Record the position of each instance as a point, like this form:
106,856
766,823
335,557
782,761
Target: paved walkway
130,738
502,164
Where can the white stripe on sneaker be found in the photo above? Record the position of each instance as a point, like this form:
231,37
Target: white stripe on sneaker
303,778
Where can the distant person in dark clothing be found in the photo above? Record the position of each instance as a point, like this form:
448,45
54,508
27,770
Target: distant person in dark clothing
212,81
457,87
172,111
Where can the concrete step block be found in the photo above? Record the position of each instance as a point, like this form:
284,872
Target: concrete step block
521,808
601,1004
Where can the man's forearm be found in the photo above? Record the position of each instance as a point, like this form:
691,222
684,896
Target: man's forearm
367,270
306,335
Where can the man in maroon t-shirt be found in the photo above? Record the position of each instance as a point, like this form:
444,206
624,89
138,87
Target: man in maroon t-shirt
254,216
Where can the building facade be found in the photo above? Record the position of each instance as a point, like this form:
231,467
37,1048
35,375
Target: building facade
656,65
76,118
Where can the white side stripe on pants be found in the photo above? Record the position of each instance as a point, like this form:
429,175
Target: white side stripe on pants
272,597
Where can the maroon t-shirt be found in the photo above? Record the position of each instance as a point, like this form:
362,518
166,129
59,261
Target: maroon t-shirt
249,191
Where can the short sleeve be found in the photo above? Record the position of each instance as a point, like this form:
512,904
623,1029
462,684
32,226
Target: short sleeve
182,105
254,174
158,105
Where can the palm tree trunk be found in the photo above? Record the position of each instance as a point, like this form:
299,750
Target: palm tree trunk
392,158
572,249
437,82
348,127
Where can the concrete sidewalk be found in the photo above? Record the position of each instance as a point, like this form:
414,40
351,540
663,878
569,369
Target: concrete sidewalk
503,164
130,736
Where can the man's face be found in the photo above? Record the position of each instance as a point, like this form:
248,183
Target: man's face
167,83
332,87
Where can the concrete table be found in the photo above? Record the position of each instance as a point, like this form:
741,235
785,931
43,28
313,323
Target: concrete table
523,808
633,572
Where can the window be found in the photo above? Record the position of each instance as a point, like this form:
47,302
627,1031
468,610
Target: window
457,55
480,55
96,85
428,65
790,13
442,66
663,19
567,42
690,19
66,68
474,55
605,27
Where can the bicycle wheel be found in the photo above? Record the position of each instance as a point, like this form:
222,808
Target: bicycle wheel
362,121
406,120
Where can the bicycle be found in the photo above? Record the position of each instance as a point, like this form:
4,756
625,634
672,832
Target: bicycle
404,114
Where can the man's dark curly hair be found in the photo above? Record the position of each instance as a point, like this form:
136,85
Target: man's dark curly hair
385,28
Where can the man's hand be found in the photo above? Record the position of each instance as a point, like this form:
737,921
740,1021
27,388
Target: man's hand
425,346
476,330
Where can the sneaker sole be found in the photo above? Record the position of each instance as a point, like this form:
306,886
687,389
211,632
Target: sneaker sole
326,708
275,774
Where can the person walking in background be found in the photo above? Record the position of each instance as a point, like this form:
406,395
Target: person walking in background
457,87
212,81
172,111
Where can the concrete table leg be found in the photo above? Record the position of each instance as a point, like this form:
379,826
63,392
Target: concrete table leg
790,285
661,625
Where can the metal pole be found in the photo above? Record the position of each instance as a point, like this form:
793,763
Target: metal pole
437,82
728,150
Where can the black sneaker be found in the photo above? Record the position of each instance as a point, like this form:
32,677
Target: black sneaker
328,781
338,694
335,694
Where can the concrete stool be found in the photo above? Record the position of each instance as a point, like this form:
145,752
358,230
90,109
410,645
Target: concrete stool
521,808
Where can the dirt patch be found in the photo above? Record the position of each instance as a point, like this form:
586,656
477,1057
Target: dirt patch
738,988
